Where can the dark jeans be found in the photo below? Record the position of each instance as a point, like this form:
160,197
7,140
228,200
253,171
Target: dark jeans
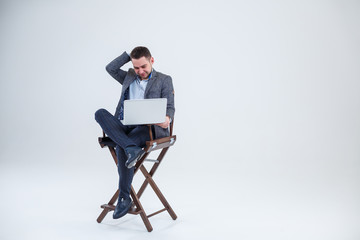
123,136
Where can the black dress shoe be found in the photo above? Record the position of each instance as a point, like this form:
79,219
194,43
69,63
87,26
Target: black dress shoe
122,207
133,155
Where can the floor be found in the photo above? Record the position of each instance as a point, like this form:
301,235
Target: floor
61,200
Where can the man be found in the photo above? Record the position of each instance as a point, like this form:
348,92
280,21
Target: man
141,82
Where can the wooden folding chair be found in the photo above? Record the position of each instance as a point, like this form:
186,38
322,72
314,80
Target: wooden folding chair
152,145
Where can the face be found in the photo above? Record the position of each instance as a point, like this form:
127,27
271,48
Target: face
143,66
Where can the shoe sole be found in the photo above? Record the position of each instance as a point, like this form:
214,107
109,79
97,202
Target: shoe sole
132,164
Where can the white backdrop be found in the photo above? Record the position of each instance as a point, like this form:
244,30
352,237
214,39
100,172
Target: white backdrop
267,116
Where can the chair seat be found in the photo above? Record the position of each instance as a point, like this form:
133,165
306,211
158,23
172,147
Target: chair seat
106,142
151,145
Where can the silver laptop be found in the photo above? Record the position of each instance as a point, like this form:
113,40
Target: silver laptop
144,111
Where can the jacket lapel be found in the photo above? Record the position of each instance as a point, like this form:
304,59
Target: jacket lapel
127,83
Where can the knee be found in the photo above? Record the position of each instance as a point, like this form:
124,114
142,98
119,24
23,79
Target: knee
99,113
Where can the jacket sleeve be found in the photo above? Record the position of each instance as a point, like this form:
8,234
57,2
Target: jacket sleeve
113,68
167,91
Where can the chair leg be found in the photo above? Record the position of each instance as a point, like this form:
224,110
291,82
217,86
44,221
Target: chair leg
152,171
142,211
106,210
102,215
158,192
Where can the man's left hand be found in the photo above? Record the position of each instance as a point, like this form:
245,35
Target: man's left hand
165,124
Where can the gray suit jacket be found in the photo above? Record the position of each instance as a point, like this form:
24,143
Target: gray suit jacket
159,86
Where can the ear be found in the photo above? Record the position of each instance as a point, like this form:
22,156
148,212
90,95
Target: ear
152,60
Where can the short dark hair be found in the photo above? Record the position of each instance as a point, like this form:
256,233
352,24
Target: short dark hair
140,52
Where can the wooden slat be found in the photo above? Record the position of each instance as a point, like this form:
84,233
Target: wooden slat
153,214
111,207
161,140
160,143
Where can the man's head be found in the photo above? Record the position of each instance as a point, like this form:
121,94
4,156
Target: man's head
142,61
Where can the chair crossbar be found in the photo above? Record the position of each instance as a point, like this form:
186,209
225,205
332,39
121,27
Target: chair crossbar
151,160
157,212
